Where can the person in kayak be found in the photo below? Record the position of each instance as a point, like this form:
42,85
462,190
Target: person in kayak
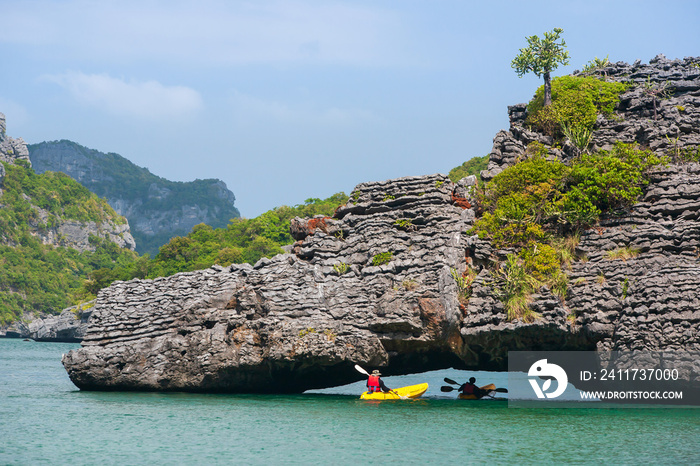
469,388
375,383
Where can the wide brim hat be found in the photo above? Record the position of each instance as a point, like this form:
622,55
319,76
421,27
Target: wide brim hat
376,372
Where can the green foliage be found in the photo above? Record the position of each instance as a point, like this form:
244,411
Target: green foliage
340,268
531,204
597,64
541,56
580,136
541,261
537,195
536,265
243,240
56,193
520,201
505,233
576,103
605,182
623,253
689,154
404,223
515,288
382,258
473,166
625,287
38,278
464,283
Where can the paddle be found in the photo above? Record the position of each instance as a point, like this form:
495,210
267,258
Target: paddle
445,388
362,371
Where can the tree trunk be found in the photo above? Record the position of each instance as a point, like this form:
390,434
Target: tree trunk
547,90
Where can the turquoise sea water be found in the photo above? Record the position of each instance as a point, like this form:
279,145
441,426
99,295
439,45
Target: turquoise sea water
44,419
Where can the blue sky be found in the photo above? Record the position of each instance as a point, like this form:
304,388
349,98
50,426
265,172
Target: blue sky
286,100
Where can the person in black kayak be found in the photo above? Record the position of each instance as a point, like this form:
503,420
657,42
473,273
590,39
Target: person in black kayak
375,383
469,388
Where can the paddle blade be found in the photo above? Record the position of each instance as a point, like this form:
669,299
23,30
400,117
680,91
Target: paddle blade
501,390
450,381
445,388
361,370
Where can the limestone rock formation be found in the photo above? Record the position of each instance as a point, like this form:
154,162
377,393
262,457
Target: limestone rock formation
673,126
375,287
376,284
11,149
69,326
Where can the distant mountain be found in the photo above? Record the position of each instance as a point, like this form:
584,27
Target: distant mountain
54,233
157,209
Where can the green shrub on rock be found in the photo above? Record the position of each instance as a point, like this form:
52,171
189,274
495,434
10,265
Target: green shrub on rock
531,205
606,182
538,195
473,166
382,258
576,103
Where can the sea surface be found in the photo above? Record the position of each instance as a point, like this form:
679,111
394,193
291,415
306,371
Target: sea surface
45,419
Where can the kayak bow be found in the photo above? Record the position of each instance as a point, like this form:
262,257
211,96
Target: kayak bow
411,391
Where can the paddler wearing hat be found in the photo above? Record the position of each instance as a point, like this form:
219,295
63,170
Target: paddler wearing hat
375,383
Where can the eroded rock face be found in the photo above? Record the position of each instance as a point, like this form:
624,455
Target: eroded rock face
299,320
650,301
302,320
68,327
11,149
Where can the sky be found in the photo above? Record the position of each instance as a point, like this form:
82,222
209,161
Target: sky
298,99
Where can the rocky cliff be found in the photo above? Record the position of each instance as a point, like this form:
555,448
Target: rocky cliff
67,327
376,284
157,209
11,149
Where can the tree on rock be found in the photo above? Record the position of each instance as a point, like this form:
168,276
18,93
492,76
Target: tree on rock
542,56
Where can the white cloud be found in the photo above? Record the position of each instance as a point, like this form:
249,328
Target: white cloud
145,100
207,31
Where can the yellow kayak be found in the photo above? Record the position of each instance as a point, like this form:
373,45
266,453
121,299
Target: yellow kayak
488,388
412,391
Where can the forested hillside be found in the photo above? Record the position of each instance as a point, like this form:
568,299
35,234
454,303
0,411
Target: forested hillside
53,233
157,209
